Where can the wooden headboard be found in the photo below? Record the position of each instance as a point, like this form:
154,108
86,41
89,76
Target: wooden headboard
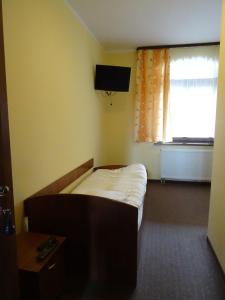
61,183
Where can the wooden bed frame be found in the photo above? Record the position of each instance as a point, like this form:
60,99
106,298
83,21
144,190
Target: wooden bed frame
102,234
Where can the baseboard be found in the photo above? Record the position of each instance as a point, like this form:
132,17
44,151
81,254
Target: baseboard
208,183
214,254
153,180
205,182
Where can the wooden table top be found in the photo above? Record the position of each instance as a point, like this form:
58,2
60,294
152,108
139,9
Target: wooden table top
27,244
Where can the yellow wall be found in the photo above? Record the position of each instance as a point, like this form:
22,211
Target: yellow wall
118,117
54,111
119,124
216,230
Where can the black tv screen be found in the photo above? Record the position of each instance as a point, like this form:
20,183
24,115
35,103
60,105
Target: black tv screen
112,78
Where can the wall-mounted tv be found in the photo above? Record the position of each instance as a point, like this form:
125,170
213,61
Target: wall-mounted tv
112,78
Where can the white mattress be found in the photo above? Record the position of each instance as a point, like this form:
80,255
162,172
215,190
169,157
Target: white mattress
127,185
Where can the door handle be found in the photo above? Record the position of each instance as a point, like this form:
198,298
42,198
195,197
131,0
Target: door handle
6,225
4,190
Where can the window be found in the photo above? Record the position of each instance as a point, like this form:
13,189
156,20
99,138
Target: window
193,93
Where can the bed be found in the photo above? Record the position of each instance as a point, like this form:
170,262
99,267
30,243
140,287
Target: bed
103,233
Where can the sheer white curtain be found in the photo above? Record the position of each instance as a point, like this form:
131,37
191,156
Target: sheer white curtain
193,91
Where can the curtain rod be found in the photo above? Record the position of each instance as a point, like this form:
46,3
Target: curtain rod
178,46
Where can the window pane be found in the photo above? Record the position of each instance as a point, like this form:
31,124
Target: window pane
193,92
193,107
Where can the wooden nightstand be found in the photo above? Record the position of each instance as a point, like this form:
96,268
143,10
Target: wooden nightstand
39,280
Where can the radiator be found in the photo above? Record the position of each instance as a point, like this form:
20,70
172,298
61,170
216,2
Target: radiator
185,164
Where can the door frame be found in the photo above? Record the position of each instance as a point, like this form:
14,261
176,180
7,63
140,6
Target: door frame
9,287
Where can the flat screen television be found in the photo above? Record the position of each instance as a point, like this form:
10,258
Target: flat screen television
112,78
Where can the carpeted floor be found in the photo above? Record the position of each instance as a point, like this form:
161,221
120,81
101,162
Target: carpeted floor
176,262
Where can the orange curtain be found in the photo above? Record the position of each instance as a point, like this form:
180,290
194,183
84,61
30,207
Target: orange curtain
152,94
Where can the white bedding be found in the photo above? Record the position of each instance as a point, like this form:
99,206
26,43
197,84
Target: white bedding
127,185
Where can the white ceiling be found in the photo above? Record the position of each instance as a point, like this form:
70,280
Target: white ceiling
127,24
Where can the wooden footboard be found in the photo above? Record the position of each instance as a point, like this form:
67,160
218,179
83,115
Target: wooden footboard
101,233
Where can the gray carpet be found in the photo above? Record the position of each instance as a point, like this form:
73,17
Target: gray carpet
176,262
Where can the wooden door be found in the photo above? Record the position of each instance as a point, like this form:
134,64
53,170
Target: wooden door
8,262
